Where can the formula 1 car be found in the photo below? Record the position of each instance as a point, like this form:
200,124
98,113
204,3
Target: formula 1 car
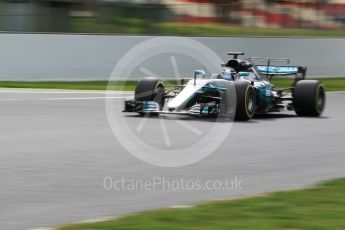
241,84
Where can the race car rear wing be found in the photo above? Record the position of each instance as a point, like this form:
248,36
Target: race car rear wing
273,70
298,71
281,70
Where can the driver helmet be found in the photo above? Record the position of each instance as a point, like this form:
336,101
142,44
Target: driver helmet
226,73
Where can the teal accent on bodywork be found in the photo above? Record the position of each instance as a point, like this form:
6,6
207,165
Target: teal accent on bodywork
205,111
264,93
149,106
243,74
278,70
209,111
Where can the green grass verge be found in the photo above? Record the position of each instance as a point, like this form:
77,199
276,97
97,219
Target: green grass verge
219,30
319,207
140,26
331,84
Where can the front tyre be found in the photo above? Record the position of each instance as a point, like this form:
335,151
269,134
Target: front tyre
246,100
150,89
309,98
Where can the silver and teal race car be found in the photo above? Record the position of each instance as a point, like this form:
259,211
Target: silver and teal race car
242,89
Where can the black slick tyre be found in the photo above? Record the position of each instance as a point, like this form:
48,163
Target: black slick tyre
309,98
150,89
246,101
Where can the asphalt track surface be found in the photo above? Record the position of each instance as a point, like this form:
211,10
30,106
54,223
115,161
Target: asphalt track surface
57,148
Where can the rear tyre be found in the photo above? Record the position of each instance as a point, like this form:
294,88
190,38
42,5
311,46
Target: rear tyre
150,89
309,98
246,101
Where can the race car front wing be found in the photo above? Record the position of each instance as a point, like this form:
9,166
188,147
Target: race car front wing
152,107
141,106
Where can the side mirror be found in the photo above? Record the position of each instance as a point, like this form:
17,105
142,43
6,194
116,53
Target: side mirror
198,72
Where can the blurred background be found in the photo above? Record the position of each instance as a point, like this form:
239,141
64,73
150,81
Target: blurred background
169,16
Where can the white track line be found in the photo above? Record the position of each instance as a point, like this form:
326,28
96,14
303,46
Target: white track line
181,206
61,91
42,229
49,92
96,220
62,98
89,221
79,98
336,92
